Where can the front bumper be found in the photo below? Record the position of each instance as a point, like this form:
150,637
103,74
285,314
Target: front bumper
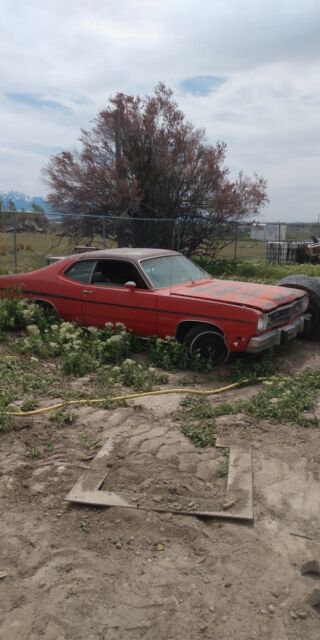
279,336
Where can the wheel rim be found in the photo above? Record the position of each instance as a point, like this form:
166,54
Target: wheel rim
211,346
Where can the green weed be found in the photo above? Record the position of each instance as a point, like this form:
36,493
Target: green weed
61,418
84,526
285,399
86,441
34,454
5,420
224,409
20,377
140,377
78,363
196,419
282,399
251,368
224,467
170,354
28,405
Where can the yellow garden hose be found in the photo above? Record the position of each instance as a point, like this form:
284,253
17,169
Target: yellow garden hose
129,396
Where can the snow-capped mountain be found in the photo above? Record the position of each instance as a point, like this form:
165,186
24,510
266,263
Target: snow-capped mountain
23,202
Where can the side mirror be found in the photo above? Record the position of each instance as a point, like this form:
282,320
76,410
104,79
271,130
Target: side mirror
130,285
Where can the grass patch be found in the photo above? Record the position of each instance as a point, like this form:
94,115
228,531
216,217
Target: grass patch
285,399
86,441
224,467
251,368
29,405
61,418
197,422
282,399
34,453
32,249
23,378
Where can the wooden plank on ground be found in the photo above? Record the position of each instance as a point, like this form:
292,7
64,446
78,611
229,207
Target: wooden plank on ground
238,501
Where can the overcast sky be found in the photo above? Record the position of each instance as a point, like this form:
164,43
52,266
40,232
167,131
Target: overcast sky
248,71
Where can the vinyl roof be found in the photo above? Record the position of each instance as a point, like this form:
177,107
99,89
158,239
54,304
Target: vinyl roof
130,254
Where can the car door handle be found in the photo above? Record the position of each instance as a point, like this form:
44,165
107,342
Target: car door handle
87,291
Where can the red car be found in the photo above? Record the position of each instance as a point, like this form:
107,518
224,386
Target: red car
155,292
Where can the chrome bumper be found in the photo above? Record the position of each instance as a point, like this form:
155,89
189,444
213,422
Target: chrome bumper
279,336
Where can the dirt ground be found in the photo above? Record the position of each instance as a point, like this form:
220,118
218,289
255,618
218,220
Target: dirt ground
88,573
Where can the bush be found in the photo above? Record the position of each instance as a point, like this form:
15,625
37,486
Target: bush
17,314
170,354
140,377
255,270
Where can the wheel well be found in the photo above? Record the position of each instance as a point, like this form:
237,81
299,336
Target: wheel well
44,304
184,327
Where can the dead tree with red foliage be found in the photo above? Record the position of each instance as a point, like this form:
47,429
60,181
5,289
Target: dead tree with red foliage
160,168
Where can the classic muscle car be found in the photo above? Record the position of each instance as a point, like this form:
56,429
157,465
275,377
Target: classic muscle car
157,292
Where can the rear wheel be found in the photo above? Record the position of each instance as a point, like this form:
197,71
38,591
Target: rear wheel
49,311
209,343
312,287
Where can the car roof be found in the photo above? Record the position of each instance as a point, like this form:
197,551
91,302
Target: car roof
129,254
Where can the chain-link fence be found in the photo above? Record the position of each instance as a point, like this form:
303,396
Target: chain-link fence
29,240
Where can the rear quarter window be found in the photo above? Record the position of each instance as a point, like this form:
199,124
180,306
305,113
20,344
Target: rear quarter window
81,271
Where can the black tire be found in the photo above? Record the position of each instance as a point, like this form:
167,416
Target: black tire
312,287
209,343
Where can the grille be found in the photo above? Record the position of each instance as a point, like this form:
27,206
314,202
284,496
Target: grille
285,314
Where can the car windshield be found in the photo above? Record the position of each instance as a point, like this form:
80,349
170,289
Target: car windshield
169,270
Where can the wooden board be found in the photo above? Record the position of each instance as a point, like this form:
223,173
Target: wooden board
238,500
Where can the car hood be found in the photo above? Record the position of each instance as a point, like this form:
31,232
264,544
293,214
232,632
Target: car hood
264,297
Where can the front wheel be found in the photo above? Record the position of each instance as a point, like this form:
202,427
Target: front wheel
209,343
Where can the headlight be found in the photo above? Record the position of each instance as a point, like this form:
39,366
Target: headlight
305,303
263,322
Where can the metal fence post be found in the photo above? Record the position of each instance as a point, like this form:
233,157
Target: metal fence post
178,236
15,253
104,231
236,241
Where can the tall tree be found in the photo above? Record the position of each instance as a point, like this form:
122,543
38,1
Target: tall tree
37,208
143,159
11,206
38,215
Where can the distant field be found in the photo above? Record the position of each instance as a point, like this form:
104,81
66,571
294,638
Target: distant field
250,263
33,248
245,249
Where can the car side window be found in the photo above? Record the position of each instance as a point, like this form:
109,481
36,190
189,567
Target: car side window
81,271
116,273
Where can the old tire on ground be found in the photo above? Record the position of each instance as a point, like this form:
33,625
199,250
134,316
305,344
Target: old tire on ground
312,287
210,343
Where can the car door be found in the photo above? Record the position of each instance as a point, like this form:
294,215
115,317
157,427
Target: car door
72,283
107,299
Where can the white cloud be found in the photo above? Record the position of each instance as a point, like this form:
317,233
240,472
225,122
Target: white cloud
77,53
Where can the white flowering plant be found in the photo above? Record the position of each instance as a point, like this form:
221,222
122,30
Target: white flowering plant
17,313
